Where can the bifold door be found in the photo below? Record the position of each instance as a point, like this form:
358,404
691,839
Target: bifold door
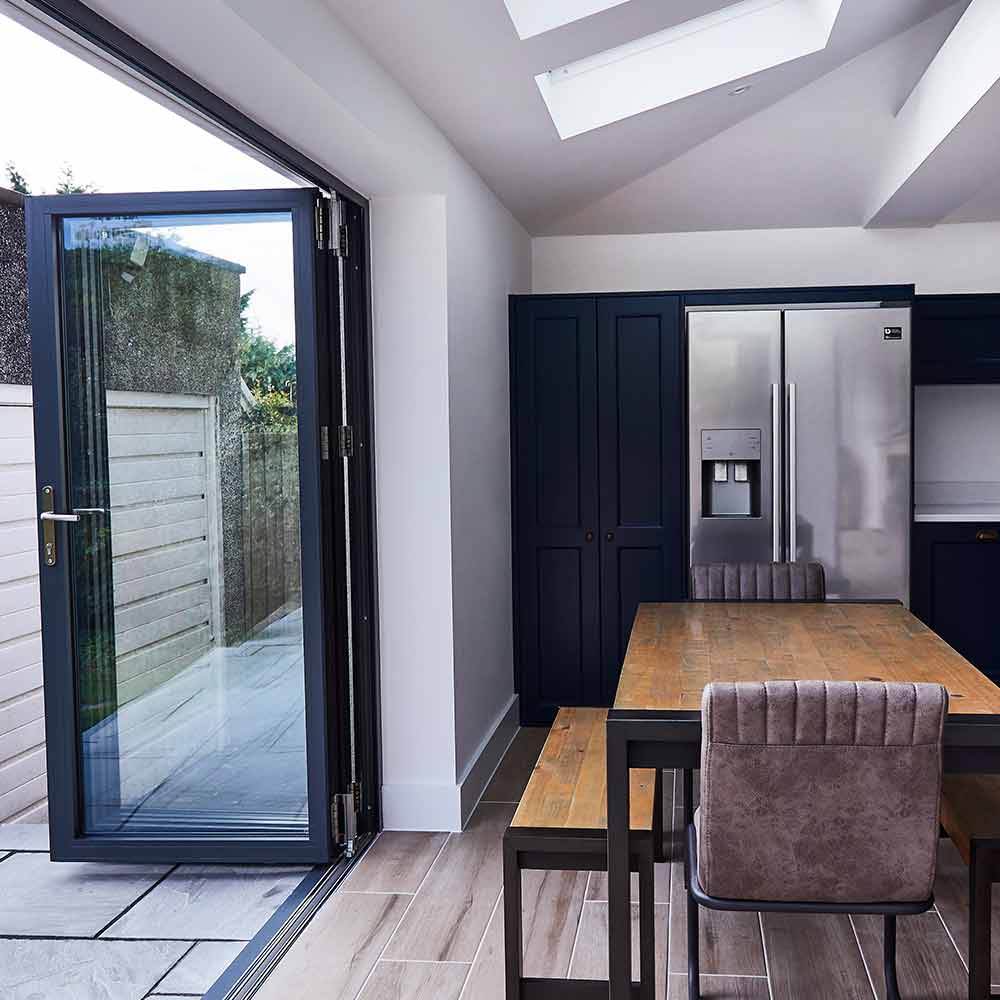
598,443
179,469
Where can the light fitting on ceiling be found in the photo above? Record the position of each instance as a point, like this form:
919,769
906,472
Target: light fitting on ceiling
740,90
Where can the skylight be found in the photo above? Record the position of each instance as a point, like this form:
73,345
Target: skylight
706,52
533,17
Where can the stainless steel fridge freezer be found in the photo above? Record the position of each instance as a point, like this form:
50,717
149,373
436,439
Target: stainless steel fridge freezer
800,440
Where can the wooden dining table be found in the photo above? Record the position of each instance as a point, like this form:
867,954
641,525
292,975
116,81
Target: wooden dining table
676,649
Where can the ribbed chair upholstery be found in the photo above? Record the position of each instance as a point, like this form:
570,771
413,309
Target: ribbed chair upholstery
783,581
818,796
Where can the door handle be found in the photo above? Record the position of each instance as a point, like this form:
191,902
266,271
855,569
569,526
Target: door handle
793,545
775,472
49,518
48,515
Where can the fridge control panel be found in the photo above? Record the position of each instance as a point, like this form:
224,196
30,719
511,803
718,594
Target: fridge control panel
725,445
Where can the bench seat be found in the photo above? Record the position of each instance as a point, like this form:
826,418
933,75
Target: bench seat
561,824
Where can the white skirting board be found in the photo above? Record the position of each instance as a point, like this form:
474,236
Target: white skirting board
448,807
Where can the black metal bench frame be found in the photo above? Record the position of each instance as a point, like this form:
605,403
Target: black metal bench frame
557,850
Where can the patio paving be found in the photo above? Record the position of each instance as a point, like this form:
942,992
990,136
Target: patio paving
93,931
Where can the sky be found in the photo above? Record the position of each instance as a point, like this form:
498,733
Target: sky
58,109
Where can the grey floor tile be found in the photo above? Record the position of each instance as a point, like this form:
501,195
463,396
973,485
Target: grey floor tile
951,891
83,970
486,978
730,942
926,961
551,905
198,970
449,915
415,981
24,836
598,888
212,902
720,988
814,956
511,777
176,996
41,898
396,862
338,949
590,957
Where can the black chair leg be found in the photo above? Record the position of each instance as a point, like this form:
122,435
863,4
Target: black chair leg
889,954
694,960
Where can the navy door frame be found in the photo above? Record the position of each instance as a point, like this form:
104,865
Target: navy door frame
43,217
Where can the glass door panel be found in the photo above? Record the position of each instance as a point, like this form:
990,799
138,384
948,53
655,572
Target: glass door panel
188,453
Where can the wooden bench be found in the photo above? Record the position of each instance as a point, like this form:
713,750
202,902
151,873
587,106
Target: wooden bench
970,814
561,824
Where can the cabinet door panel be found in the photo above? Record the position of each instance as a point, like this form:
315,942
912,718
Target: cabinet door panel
554,396
957,588
956,339
641,466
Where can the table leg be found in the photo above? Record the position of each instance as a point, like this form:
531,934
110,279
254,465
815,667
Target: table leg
619,869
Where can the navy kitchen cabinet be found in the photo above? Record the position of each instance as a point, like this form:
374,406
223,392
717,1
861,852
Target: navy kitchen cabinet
956,338
597,442
956,588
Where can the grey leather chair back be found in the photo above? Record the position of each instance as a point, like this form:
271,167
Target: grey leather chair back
820,791
758,582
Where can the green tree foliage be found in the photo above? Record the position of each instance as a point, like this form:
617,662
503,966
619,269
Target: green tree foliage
269,373
16,179
68,184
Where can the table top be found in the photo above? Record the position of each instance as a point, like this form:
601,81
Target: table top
676,649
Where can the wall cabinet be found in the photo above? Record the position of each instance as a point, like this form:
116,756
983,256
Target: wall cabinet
597,404
956,588
956,338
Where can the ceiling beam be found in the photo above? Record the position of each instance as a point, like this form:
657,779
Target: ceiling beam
945,142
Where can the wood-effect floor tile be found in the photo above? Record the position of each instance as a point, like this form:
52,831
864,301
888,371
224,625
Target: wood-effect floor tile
951,893
511,777
927,964
590,957
414,981
597,891
720,988
338,949
551,905
730,942
449,915
397,862
815,957
486,979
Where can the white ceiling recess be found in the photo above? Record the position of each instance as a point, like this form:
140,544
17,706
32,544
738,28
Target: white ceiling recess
689,58
811,143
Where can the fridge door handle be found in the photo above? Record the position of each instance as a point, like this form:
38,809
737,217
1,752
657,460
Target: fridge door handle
775,472
793,546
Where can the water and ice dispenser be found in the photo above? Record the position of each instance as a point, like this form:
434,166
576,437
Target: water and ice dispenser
730,473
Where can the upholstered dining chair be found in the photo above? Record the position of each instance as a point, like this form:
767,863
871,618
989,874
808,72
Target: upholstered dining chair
817,797
781,581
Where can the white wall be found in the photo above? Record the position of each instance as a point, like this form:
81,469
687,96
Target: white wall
297,70
952,258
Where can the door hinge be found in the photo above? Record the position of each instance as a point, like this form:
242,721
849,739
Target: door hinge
320,223
345,441
342,246
324,443
344,811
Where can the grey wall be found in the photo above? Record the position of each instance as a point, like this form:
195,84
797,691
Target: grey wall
15,344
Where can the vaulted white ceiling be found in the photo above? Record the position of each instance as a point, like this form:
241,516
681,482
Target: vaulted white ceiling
874,127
